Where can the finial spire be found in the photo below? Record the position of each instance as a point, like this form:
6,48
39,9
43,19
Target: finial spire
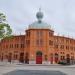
40,9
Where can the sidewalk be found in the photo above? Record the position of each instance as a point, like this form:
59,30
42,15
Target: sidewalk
23,64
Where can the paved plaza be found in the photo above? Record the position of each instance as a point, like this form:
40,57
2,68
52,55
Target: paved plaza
23,69
34,72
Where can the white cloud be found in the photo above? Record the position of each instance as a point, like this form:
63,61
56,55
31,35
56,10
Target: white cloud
60,14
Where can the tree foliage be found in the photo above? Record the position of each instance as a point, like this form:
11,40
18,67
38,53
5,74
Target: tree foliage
5,30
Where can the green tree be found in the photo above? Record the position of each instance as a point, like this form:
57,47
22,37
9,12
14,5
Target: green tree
5,30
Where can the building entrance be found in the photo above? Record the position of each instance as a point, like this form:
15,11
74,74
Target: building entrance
27,58
68,59
56,58
39,57
10,57
21,59
51,58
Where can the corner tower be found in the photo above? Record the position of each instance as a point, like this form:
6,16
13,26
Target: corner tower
39,35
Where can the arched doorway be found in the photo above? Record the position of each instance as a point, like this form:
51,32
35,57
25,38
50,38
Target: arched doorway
68,59
51,58
21,59
10,57
39,57
26,58
72,60
2,57
56,58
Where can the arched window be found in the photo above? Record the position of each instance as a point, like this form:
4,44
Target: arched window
39,53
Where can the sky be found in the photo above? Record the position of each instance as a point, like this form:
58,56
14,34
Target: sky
60,14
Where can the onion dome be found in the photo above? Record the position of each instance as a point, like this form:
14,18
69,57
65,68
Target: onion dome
39,24
39,15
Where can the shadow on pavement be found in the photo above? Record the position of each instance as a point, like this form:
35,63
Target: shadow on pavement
34,72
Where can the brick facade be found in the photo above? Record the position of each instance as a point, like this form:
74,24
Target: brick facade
24,47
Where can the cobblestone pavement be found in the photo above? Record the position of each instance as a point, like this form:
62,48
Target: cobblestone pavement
22,69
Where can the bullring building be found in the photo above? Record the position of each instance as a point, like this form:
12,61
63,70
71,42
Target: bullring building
38,46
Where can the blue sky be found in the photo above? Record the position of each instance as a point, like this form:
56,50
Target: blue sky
60,14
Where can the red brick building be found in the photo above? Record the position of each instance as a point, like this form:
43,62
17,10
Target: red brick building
39,45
